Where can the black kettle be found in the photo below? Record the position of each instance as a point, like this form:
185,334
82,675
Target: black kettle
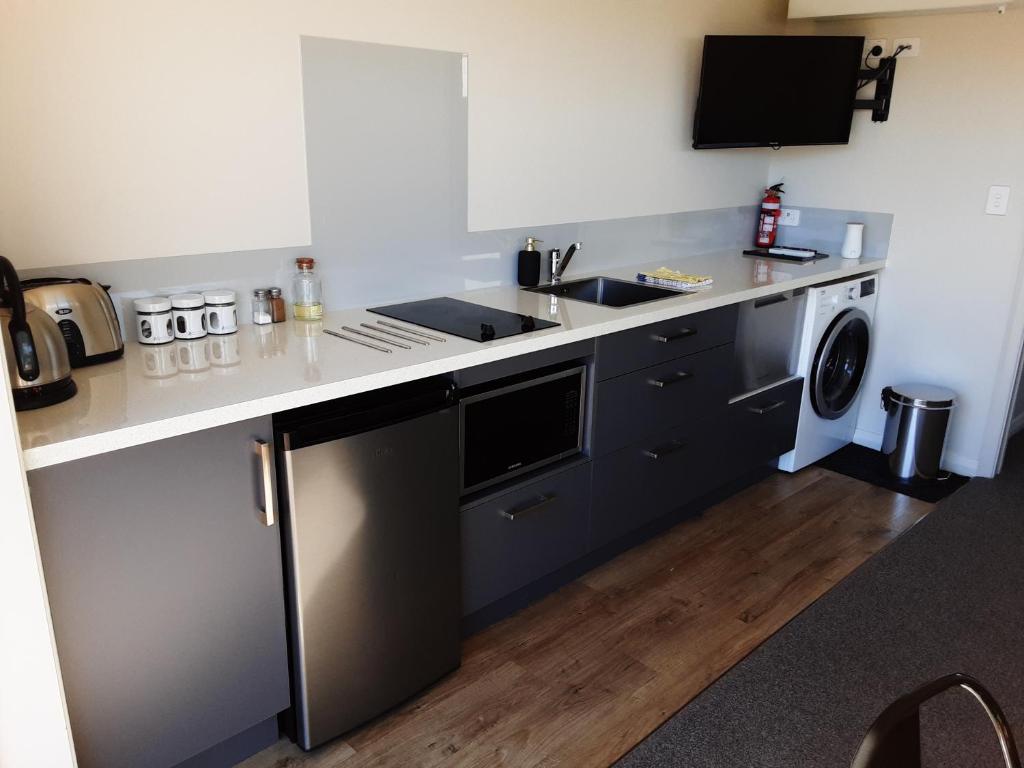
37,357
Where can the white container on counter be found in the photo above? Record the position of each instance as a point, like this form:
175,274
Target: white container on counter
221,315
853,243
189,311
153,320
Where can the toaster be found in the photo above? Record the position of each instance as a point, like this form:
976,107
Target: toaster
84,313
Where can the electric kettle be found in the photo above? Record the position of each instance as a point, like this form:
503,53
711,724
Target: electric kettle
37,357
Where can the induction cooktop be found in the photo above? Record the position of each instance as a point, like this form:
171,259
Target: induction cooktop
463,318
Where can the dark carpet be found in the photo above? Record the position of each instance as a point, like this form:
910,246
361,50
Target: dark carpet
947,596
870,466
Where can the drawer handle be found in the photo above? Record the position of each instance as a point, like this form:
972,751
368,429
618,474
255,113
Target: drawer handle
683,334
268,511
673,379
665,450
542,501
766,408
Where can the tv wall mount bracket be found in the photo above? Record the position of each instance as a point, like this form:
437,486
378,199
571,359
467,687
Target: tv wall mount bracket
883,78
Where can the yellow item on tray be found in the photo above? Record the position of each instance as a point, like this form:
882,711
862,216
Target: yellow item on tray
670,278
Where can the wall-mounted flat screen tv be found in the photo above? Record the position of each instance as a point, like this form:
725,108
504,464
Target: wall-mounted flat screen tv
772,91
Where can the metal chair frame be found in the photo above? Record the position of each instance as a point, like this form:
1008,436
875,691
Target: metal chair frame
894,739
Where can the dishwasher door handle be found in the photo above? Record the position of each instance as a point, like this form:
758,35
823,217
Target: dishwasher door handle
762,410
268,510
542,501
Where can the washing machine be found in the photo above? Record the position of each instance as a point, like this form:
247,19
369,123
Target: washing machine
835,350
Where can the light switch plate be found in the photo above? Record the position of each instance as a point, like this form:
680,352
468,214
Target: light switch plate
998,200
789,217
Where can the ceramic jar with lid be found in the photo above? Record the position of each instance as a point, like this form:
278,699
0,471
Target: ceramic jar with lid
221,316
153,320
189,311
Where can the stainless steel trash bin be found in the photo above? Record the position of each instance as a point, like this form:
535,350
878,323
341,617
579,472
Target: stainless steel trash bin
915,429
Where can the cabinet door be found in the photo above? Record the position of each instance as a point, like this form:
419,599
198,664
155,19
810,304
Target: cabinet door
762,426
522,535
166,593
625,351
653,477
649,401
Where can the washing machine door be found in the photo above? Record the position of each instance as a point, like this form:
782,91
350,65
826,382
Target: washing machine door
839,364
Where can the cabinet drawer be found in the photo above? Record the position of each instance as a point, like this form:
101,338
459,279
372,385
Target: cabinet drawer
652,477
513,539
637,348
646,402
762,427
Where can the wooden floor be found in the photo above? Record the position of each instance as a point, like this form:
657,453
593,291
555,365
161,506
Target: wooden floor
582,676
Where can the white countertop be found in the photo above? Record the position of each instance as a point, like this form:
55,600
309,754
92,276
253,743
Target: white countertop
273,368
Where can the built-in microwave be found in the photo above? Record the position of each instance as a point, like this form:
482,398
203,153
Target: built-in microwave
515,425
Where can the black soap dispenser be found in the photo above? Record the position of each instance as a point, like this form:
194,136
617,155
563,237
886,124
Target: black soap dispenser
529,264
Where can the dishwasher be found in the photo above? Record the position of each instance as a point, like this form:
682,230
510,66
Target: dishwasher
768,333
369,489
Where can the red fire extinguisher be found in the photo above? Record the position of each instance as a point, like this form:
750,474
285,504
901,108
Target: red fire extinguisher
768,221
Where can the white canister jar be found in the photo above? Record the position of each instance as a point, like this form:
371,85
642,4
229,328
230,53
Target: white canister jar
153,321
221,315
189,311
853,243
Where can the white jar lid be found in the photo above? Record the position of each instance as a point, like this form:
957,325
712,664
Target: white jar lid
187,300
219,296
153,304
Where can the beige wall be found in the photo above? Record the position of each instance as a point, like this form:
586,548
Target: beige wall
139,129
947,305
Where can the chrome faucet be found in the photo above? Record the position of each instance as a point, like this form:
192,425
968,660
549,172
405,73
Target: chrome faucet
559,262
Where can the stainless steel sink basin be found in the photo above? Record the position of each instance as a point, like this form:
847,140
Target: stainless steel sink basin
607,291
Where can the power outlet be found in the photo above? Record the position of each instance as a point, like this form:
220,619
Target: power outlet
998,200
913,46
789,217
869,44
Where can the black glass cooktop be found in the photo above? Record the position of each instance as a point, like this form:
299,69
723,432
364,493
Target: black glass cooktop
463,318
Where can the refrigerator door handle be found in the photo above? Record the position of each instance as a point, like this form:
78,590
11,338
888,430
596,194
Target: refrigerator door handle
268,510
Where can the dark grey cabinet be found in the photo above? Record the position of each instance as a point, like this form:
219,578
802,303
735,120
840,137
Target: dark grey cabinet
762,426
517,537
644,402
654,476
619,353
166,593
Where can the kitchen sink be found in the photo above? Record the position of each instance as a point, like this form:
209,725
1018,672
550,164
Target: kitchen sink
607,291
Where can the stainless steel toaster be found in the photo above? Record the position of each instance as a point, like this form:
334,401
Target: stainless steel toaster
84,313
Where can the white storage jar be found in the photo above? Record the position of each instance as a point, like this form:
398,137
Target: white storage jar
153,321
221,315
189,311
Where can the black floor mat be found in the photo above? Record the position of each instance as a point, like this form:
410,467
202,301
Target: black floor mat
869,465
